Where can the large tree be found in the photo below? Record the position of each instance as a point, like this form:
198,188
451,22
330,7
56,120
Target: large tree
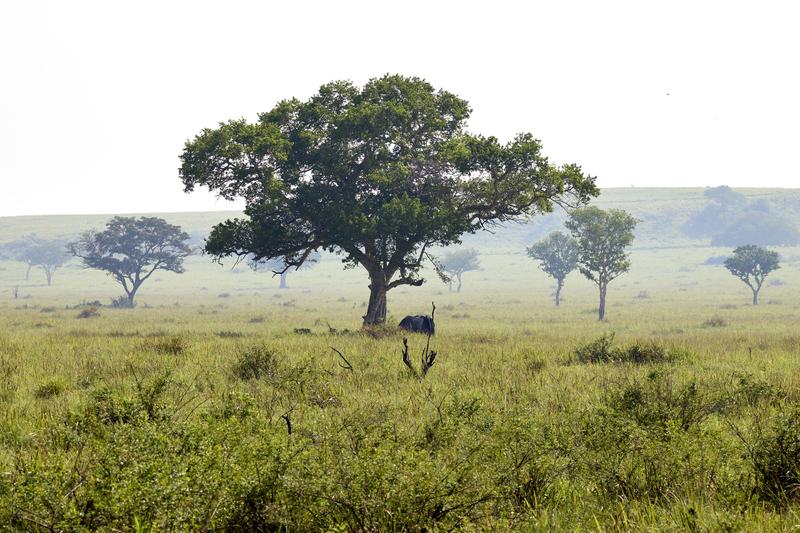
602,238
457,262
130,250
378,174
558,256
752,264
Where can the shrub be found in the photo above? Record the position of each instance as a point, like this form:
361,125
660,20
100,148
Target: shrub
601,350
89,312
122,302
715,322
166,346
256,363
776,459
49,390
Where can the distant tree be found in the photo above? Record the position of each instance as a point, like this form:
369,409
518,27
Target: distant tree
752,264
47,254
459,261
278,267
18,251
558,256
130,250
723,208
602,238
759,228
378,174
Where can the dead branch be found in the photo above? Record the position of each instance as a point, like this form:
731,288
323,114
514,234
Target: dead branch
346,364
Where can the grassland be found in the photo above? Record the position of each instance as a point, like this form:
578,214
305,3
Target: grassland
170,416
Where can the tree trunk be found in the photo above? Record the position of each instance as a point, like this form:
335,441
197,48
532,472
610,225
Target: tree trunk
28,272
559,286
602,310
132,295
451,284
283,281
459,283
49,274
755,296
376,309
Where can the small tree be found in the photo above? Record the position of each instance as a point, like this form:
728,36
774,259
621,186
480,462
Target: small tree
558,256
377,174
131,249
278,267
602,238
49,255
752,264
457,262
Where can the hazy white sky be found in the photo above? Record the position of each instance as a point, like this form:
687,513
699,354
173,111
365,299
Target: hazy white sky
97,98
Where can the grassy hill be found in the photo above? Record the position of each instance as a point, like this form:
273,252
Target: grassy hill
663,211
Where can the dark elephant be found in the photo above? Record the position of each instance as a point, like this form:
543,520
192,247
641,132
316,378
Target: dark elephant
419,324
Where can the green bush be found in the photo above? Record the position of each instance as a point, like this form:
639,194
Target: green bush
601,350
257,362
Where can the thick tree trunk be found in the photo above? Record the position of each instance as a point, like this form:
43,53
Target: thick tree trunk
376,308
559,286
755,296
49,274
459,283
602,310
283,284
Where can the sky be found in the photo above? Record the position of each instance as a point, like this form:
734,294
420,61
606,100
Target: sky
98,98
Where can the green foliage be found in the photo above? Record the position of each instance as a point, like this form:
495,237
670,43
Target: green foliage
130,250
558,256
256,362
775,455
602,350
52,388
602,238
752,264
377,174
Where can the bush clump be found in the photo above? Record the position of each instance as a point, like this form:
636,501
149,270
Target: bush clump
776,459
256,363
49,389
602,350
89,312
175,345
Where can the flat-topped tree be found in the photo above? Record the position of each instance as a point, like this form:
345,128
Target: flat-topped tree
456,263
130,250
602,238
47,254
378,174
752,264
558,256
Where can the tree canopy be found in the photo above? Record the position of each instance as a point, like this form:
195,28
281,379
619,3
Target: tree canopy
378,174
602,238
752,264
558,256
130,250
